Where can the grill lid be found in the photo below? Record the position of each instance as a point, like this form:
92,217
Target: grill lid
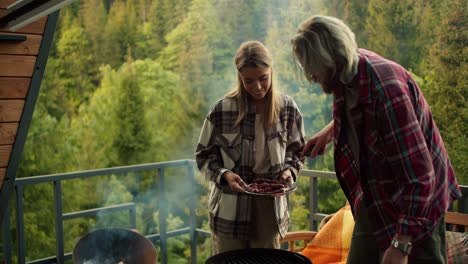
114,245
258,256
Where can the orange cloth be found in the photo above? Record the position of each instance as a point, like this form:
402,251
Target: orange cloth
331,244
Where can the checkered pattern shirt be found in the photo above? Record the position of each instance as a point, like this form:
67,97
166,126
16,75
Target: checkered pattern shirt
405,177
224,146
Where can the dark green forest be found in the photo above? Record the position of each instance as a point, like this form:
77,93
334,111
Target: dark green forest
130,82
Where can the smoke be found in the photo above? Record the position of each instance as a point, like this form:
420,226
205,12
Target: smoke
162,200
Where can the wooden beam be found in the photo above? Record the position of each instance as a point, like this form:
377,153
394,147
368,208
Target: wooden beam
5,151
457,219
28,47
11,110
14,88
8,133
5,3
36,27
2,176
17,66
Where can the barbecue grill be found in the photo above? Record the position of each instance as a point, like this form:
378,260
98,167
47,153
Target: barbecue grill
114,245
258,256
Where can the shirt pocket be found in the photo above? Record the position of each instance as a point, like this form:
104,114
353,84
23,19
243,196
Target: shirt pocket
231,148
381,174
277,143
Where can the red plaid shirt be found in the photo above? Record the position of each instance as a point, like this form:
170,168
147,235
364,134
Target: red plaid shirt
404,175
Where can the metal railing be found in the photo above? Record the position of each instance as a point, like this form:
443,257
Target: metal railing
57,179
59,216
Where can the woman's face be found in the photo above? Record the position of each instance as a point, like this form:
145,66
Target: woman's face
256,80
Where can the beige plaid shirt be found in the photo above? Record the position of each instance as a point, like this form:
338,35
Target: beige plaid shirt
225,147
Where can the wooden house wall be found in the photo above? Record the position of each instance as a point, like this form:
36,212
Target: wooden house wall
17,62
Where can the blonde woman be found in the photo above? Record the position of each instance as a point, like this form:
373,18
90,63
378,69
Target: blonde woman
252,132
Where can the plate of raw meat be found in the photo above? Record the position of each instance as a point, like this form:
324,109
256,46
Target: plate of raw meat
269,187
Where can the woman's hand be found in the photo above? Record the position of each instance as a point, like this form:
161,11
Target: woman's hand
286,176
317,144
234,181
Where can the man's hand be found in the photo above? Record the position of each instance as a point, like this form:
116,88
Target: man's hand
234,181
317,144
394,256
325,221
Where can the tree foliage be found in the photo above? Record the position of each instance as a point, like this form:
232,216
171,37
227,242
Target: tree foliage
132,137
129,82
446,84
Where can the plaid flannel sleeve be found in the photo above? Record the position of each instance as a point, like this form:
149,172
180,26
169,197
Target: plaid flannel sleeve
407,153
207,154
295,144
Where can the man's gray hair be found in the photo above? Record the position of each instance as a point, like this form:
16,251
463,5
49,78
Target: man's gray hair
322,42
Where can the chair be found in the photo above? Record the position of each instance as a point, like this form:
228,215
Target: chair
456,221
328,240
292,237
456,237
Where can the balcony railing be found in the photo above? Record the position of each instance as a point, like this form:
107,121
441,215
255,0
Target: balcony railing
56,180
159,169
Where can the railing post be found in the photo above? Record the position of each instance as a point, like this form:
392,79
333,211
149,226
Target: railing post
6,235
132,217
463,202
20,225
313,202
193,204
162,216
58,221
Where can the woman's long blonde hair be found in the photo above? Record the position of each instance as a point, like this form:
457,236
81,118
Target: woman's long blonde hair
254,53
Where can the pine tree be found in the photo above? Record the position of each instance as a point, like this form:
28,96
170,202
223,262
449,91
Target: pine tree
188,53
164,16
428,19
93,18
392,31
447,89
132,136
119,32
157,24
335,8
71,75
355,15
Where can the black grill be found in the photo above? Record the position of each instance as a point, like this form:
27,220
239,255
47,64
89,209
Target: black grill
258,256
